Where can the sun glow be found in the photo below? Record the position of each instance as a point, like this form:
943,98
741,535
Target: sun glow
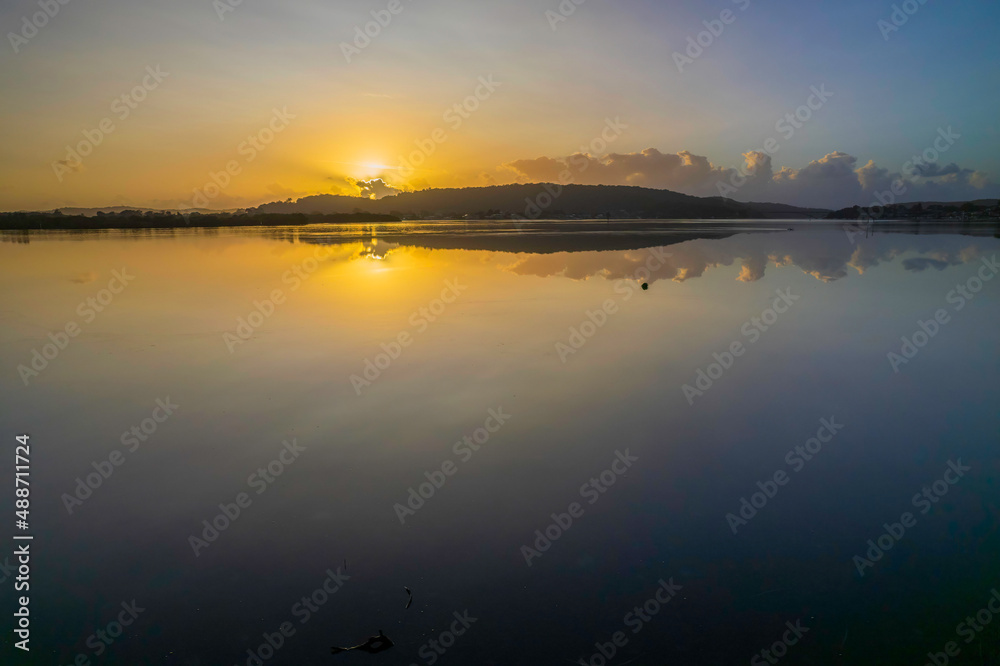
364,169
379,167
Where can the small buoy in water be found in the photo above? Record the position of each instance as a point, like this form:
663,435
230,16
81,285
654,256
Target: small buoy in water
645,286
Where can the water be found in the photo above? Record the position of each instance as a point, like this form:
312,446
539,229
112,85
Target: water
466,332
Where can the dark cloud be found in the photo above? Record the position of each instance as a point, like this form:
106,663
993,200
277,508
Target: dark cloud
937,171
919,264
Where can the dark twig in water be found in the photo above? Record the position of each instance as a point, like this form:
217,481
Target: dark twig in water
410,601
373,645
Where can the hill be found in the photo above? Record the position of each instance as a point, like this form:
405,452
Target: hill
543,201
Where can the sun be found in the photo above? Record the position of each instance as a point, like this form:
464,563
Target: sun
366,169
378,167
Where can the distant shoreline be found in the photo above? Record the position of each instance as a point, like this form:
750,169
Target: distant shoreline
611,232
156,220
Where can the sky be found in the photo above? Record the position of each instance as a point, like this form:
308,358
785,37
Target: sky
220,105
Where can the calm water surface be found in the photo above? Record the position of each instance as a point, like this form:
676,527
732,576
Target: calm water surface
453,414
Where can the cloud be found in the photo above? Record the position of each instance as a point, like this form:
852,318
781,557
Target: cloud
814,255
540,169
583,265
376,188
874,178
829,182
936,171
919,264
832,181
280,190
682,172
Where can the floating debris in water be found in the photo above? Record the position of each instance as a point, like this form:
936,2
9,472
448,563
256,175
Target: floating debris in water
373,645
645,286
